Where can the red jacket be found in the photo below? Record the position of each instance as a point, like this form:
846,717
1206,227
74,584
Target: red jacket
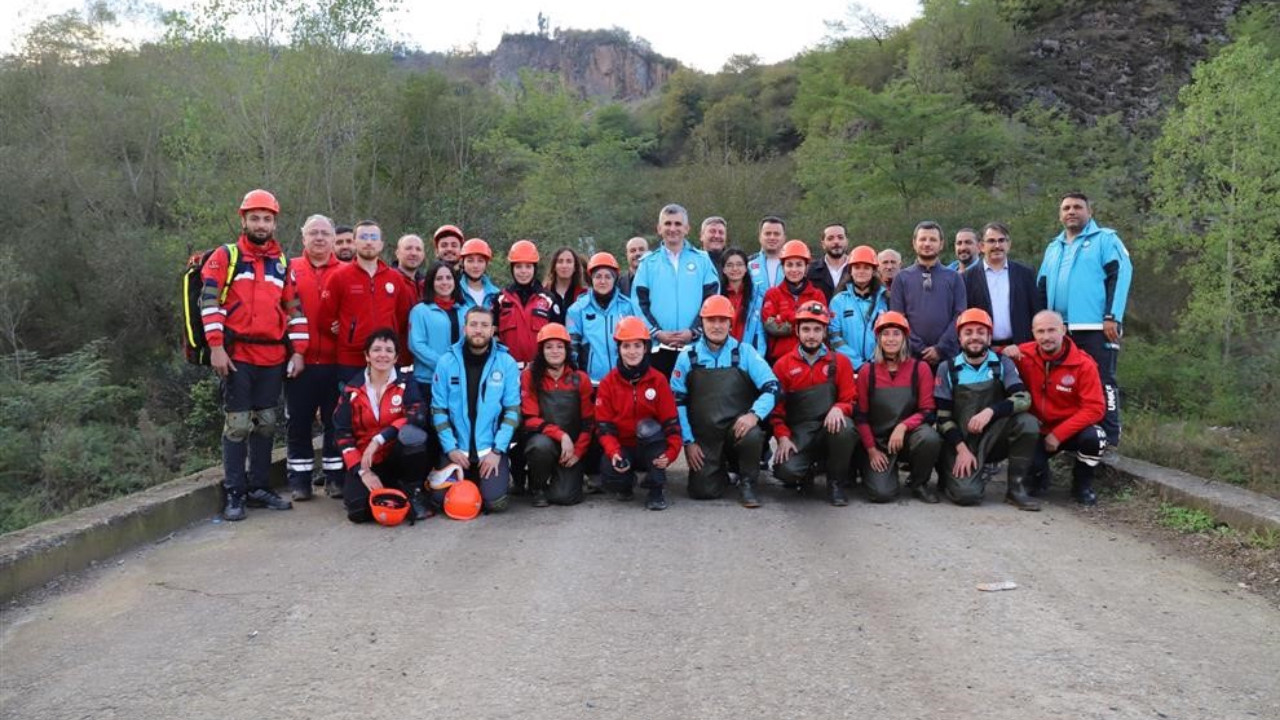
260,305
780,307
621,405
308,283
519,323
1066,392
532,412
355,424
795,373
361,304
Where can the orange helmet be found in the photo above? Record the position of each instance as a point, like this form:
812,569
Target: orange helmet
974,315
389,506
795,249
476,246
446,231
813,311
630,328
864,254
717,306
892,318
602,259
553,331
259,200
522,251
462,501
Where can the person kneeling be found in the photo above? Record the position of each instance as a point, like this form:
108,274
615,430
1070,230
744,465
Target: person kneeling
378,427
636,419
555,399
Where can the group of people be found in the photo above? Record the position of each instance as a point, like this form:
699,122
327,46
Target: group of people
438,387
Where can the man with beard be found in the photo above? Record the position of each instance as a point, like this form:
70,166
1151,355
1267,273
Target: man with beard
766,266
448,243
723,389
475,405
248,350
983,418
931,296
1005,288
966,247
714,236
410,254
829,272
1067,398
815,418
344,243
637,247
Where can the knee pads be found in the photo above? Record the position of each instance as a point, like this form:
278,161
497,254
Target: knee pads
264,422
236,426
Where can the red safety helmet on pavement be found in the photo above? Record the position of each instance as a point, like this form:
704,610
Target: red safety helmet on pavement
389,506
631,328
892,318
813,312
259,200
446,231
602,259
476,246
865,255
716,306
462,501
974,315
553,331
795,249
522,251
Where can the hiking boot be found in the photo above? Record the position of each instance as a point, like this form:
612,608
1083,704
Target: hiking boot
925,493
301,491
657,499
835,494
234,509
419,507
1082,484
540,498
1085,496
266,498
1017,496
333,488
747,494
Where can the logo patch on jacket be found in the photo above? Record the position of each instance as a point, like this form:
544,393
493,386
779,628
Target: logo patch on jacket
391,288
396,400
496,377
1068,380
650,394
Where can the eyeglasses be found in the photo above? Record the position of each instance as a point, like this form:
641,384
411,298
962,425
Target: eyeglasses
928,281
368,236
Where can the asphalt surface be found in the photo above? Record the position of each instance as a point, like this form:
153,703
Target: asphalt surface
606,610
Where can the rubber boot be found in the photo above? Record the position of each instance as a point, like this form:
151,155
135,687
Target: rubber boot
747,494
1017,496
419,506
333,487
835,493
1082,485
924,492
300,484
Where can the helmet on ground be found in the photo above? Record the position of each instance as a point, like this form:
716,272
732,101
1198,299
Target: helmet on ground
389,506
602,259
795,249
717,306
259,200
462,501
522,251
630,328
553,331
892,318
445,231
476,246
974,315
864,254
812,312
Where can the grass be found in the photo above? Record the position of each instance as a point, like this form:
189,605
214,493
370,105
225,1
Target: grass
1184,519
1231,455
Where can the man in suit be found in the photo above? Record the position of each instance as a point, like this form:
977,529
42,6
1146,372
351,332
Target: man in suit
1004,288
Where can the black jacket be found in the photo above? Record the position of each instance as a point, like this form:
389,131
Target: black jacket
821,279
1024,300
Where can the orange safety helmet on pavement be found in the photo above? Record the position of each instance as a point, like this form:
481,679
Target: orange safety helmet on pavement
446,231
553,331
795,249
476,246
865,255
522,251
814,312
602,259
892,318
462,501
389,506
717,306
259,200
974,315
631,328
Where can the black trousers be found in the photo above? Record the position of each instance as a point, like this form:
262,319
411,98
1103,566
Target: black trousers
1106,354
404,472
250,396
315,390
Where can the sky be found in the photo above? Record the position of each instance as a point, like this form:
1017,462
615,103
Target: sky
699,34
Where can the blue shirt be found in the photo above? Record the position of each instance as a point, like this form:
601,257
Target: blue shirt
998,289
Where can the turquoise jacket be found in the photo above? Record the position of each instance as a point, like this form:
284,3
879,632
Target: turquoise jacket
1086,281
853,319
430,336
497,408
591,332
749,360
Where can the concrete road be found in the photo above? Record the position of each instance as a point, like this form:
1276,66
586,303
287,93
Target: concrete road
605,610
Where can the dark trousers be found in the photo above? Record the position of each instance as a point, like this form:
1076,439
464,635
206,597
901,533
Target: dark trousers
401,471
1106,354
315,390
1088,446
641,458
250,395
493,489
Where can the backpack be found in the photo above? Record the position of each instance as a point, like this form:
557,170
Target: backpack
194,344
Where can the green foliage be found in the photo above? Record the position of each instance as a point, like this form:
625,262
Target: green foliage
1268,539
1184,519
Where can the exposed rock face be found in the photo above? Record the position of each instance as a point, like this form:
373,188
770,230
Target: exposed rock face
596,64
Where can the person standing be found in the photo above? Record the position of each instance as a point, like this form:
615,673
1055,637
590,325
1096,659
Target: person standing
344,243
559,418
765,266
637,248
931,297
855,308
524,306
410,256
747,299
828,273
1085,278
435,326
781,301
447,240
890,262
713,236
967,250
477,289
1004,288
594,317
564,283
253,323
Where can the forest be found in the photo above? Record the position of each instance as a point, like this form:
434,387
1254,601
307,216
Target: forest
121,161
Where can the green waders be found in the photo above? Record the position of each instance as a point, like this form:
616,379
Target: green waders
717,398
806,410
562,485
888,407
1013,437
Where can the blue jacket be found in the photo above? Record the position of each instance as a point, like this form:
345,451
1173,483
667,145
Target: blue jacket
757,266
668,300
591,332
753,334
853,318
491,293
749,359
497,408
430,336
1086,281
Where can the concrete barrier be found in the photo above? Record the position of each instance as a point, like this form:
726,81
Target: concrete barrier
1241,509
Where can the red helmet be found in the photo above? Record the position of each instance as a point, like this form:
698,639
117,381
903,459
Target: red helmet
522,251
717,306
892,318
630,328
389,506
259,200
812,311
974,315
865,255
476,246
446,231
602,259
553,331
795,249
462,501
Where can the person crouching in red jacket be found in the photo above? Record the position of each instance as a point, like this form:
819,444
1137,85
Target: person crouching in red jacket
559,417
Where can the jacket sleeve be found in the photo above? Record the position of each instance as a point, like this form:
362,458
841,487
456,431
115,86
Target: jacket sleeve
680,392
846,388
343,434
926,406
606,421
213,278
573,323
765,381
587,413
710,286
1119,273
949,343
640,297
298,334
440,399
327,313
862,418
666,405
419,337
770,314
510,406
1093,405
778,418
